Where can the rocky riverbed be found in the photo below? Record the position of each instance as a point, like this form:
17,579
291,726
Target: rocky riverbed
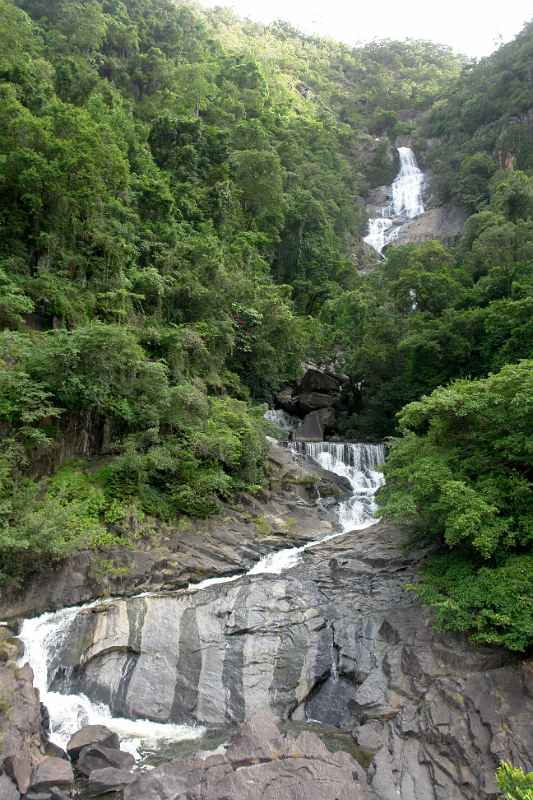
336,641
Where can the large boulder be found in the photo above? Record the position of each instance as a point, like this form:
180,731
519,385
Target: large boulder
315,425
259,763
312,401
8,790
213,656
96,757
21,737
52,772
108,780
315,380
91,735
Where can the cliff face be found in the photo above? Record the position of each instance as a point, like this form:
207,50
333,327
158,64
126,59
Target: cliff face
445,223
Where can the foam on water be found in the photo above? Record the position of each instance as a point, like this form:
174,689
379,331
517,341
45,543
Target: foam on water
407,203
69,712
41,636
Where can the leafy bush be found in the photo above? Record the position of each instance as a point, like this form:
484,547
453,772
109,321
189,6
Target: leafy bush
460,474
514,782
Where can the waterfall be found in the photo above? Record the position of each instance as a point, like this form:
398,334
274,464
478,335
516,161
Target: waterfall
282,420
357,462
41,637
407,203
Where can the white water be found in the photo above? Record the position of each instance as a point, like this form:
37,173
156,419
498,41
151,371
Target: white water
68,712
360,464
282,420
43,635
407,203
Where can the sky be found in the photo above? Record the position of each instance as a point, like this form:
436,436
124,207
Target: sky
473,27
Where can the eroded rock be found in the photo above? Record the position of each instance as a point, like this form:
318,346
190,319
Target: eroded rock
52,772
8,790
92,735
260,763
107,780
95,757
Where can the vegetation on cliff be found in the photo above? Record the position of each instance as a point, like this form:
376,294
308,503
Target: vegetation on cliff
181,211
178,201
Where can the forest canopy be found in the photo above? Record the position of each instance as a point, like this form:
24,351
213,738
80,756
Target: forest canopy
182,205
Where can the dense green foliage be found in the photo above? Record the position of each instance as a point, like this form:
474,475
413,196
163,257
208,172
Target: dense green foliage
429,314
483,122
461,472
181,210
177,197
514,782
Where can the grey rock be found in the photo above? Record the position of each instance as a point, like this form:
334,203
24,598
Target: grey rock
20,728
91,735
58,794
337,639
52,772
98,757
212,652
315,425
260,763
108,780
52,749
444,222
8,790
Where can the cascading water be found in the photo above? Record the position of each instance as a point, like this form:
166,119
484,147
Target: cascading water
285,422
69,712
407,203
360,464
42,636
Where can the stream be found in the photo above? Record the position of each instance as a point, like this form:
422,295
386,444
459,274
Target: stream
44,637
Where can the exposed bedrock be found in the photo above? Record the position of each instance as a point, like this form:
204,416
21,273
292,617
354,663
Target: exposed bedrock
259,763
337,639
288,511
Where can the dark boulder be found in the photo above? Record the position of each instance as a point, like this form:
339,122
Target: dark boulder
54,750
107,780
89,735
285,400
315,380
97,757
52,772
311,401
315,425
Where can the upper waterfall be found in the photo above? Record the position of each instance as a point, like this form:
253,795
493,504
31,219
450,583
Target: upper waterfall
407,202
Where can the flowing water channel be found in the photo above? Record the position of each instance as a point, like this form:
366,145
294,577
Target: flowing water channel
407,203
42,636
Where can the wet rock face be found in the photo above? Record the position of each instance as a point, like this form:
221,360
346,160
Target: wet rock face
214,656
445,223
21,741
336,639
260,763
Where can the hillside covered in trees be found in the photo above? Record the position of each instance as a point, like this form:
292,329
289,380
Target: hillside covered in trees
181,215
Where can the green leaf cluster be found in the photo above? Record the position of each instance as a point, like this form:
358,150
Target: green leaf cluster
461,475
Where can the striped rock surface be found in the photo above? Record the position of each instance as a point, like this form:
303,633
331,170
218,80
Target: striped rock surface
214,656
